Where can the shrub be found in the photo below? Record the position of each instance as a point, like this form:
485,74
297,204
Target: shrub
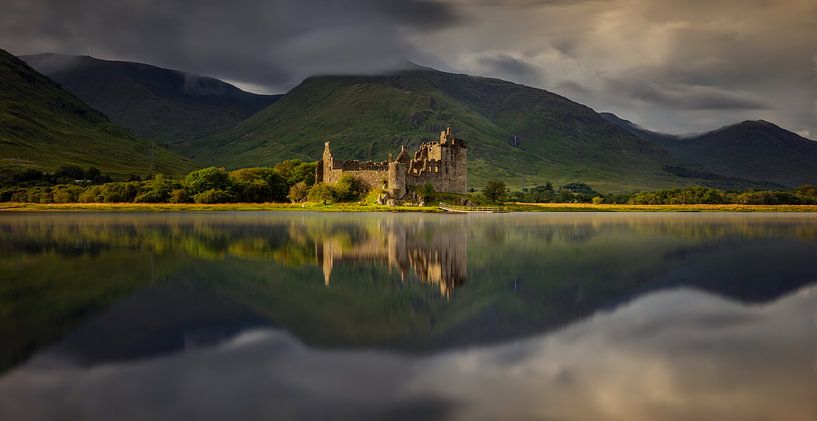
426,192
598,200
771,198
350,189
119,192
258,185
20,196
495,191
213,196
205,179
298,192
155,191
66,194
295,171
806,190
91,194
323,193
646,199
179,196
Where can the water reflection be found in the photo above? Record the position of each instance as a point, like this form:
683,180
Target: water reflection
437,258
588,316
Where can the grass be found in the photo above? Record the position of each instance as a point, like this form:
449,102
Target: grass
358,207
589,207
171,207
44,127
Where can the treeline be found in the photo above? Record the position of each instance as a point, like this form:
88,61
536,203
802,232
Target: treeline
294,181
695,195
286,181
63,175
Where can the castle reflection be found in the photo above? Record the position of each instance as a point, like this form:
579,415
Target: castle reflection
433,257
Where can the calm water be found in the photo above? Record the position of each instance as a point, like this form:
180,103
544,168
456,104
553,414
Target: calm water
373,316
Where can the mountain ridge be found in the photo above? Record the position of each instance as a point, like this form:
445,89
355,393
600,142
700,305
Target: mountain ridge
367,117
43,126
151,101
751,149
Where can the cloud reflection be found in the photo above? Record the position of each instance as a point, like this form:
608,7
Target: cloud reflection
607,367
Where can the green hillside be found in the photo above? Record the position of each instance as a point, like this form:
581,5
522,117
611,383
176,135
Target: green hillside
44,127
152,102
523,135
754,150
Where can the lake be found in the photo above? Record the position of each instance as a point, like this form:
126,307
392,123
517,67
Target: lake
292,315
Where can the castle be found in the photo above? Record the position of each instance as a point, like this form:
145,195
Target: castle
441,164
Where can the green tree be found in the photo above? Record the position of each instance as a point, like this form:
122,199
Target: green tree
495,191
214,196
258,185
426,192
156,191
295,171
322,193
298,192
206,179
350,189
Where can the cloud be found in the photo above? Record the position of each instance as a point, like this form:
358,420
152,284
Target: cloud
685,97
275,44
508,65
702,64
691,66
693,366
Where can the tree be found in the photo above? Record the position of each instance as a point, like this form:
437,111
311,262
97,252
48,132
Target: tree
495,191
322,193
156,191
295,171
213,196
258,185
350,189
426,192
298,192
206,179
806,190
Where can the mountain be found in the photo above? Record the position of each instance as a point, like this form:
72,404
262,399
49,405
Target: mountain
756,150
516,133
42,126
661,139
152,102
753,149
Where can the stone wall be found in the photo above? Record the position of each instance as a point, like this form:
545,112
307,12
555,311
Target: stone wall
442,164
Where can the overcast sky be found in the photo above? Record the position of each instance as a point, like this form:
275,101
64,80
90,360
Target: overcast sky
669,65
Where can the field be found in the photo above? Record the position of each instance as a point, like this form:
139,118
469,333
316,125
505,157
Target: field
354,207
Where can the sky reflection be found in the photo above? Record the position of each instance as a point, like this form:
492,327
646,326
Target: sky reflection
679,354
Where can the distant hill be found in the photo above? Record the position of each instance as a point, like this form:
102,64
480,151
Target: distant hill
661,139
756,150
152,102
523,135
42,126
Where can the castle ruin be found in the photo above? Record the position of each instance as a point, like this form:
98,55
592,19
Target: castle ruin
442,164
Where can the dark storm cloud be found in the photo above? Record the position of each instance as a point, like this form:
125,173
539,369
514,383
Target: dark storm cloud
268,43
668,65
699,64
509,67
685,96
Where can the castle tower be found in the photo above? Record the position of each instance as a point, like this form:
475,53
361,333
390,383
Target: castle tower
325,165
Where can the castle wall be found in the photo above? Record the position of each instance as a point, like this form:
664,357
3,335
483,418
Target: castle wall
442,164
445,169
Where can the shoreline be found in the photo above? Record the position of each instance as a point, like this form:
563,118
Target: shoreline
352,207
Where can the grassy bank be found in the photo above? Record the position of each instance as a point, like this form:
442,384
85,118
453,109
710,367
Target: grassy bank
589,207
355,207
165,207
